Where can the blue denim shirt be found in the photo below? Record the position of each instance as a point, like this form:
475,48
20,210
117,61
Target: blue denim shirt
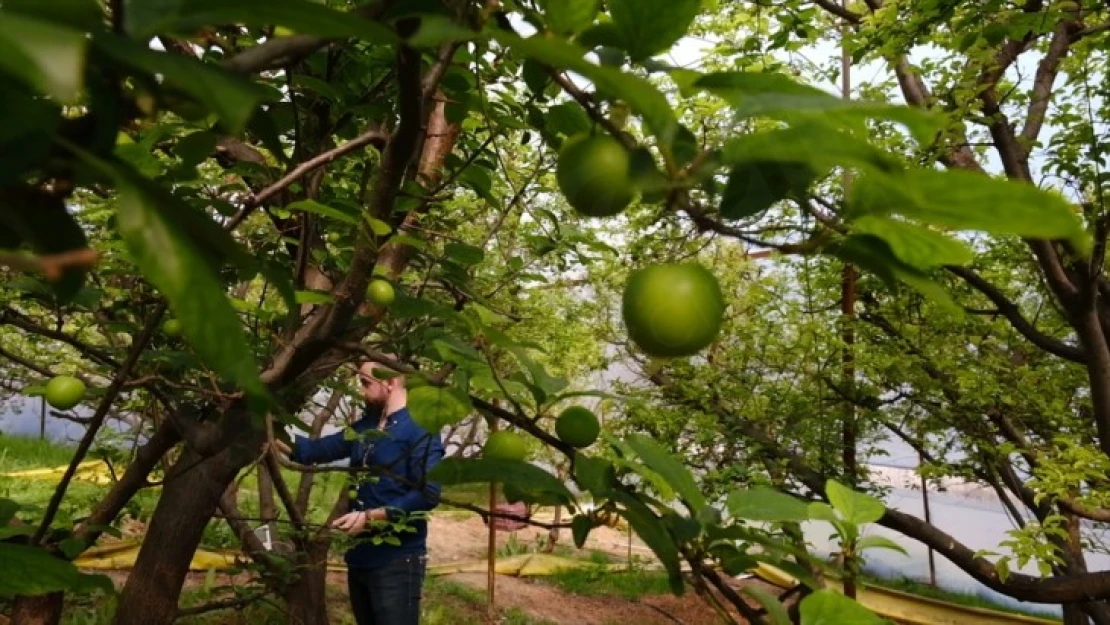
406,452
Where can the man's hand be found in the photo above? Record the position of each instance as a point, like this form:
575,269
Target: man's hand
355,522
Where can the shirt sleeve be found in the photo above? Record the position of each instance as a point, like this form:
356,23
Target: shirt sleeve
320,450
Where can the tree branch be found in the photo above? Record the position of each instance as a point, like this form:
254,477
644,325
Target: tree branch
1047,70
1008,309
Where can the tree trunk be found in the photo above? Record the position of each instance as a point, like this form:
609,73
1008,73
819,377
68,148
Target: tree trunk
190,494
306,598
38,610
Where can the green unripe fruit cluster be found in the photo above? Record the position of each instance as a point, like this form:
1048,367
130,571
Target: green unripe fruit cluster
595,175
672,310
577,427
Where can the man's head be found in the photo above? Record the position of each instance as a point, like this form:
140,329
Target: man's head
379,384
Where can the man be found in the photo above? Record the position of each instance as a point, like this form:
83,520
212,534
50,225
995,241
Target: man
384,579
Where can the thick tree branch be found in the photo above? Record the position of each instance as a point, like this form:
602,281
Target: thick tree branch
1047,71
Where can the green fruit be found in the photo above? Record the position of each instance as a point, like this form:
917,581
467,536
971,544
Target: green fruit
352,494
505,445
380,292
672,310
595,175
172,328
64,392
577,427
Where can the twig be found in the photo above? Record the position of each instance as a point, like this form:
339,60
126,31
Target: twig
375,136
222,604
51,266
97,420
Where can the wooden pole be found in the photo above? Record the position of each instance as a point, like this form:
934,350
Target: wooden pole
491,573
929,521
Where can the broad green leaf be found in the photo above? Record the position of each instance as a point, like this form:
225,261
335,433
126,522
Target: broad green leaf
8,508
313,297
640,94
828,607
567,119
437,29
777,95
821,511
875,541
915,245
464,253
874,255
766,504
580,527
816,144
677,475
232,98
596,475
969,201
79,14
568,17
651,530
48,57
32,571
177,266
776,612
312,206
648,27
303,16
434,407
524,476
196,147
378,227
755,186
854,506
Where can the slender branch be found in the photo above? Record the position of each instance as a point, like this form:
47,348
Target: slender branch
97,420
1012,313
222,604
26,364
375,136
832,7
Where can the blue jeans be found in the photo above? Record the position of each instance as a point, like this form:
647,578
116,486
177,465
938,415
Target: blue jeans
389,595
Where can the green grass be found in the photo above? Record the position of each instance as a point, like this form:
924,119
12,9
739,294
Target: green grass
598,581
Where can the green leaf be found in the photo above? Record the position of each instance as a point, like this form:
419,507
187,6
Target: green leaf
970,201
757,185
32,571
651,530
767,504
524,476
312,206
568,17
854,506
437,29
816,144
232,98
874,254
8,508
657,458
179,268
915,245
464,253
875,541
648,27
567,119
580,527
71,547
313,297
828,607
48,57
378,227
80,14
196,147
596,475
821,511
434,407
304,16
776,612
775,94
640,94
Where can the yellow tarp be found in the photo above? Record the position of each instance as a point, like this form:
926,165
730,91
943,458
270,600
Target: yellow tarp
95,471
